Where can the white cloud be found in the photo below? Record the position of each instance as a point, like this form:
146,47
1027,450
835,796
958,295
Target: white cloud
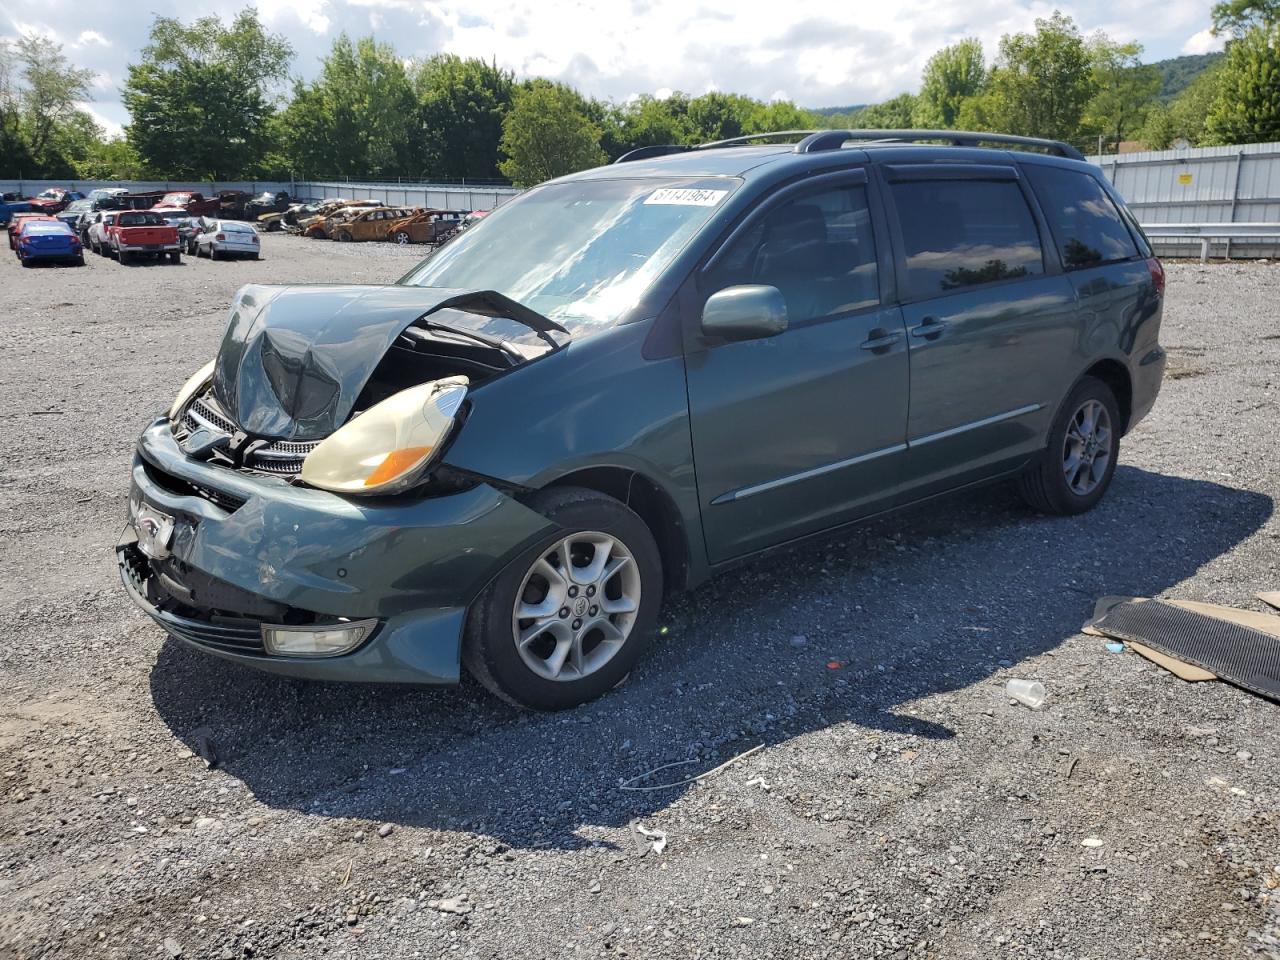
812,51
1202,42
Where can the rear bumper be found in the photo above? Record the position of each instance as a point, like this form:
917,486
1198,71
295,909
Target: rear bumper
1148,376
149,247
413,563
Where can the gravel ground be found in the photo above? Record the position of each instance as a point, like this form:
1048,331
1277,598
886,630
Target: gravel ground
901,805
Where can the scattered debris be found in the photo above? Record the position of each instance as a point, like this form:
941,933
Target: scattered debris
1090,842
1114,647
202,738
1029,693
628,784
1270,597
657,838
742,921
1072,767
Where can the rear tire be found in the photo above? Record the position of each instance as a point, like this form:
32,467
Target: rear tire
1074,471
344,236
122,257
579,654
175,257
213,253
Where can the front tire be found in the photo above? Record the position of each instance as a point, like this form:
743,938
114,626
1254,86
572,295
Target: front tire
1073,473
567,620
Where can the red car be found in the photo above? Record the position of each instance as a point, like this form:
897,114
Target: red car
16,224
142,233
55,199
194,203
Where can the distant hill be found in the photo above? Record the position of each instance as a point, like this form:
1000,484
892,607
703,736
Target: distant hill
1178,72
832,111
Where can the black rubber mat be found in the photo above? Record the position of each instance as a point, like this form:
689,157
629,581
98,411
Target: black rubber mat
1241,655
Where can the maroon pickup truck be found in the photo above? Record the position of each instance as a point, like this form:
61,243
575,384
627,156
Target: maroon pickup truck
194,203
141,233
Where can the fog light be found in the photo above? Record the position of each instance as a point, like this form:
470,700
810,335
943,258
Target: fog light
327,641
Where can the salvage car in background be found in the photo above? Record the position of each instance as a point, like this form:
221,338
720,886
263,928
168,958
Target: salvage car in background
48,241
55,199
314,225
140,233
425,226
185,224
74,211
16,222
266,202
191,201
360,224
218,239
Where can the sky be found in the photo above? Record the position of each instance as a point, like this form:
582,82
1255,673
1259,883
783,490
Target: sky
813,52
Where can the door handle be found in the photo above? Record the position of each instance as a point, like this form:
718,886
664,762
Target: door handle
880,340
930,328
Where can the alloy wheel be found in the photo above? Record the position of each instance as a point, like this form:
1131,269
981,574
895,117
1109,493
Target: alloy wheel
1086,449
576,606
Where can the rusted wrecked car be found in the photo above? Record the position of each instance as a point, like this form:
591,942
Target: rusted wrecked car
313,226
426,226
359,224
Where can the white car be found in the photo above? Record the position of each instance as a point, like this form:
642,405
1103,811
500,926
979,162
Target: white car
98,241
216,239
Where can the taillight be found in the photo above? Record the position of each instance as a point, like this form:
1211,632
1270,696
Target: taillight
1157,275
255,238
221,236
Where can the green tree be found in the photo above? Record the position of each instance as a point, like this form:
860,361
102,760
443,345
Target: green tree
358,119
1041,81
548,134
1235,18
463,103
202,98
1247,109
952,75
1185,116
51,88
1125,89
895,114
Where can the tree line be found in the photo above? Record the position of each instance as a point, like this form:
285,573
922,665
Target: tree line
214,101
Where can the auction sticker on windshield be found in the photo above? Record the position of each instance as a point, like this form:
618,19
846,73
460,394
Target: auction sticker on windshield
686,197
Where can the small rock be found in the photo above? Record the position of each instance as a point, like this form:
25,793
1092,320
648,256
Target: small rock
385,830
172,948
1244,756
208,823
743,921
450,905
1091,842
595,887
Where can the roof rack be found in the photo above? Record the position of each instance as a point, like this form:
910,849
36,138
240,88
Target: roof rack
817,141
835,139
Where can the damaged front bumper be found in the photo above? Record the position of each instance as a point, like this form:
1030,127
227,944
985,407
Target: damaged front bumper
249,551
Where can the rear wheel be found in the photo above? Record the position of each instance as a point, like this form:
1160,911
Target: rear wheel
1075,470
566,621
344,236
213,253
122,257
175,257
402,237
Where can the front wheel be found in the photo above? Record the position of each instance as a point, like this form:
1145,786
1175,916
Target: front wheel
1075,470
566,621
402,237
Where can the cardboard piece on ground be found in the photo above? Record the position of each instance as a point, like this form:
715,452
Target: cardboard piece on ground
1183,671
1270,597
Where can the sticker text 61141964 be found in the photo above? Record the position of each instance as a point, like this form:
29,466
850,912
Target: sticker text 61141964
686,197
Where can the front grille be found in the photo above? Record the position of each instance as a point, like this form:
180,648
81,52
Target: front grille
281,457
185,488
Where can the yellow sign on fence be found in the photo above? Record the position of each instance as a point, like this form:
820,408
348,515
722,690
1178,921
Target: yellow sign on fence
1184,179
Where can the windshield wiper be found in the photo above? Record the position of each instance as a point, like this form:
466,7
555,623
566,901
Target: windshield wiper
491,303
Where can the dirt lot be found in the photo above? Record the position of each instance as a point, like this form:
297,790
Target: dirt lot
901,806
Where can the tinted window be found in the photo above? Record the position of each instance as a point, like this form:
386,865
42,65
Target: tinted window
141,220
959,233
1084,221
817,249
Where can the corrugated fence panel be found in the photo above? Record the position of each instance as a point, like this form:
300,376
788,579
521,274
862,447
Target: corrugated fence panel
1233,184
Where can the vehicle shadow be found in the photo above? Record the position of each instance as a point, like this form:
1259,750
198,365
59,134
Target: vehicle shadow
850,630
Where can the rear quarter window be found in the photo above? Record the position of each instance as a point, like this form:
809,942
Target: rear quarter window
1086,224
963,233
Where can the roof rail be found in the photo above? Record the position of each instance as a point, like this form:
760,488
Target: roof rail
835,139
818,141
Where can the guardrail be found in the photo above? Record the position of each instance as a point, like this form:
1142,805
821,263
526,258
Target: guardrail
1206,233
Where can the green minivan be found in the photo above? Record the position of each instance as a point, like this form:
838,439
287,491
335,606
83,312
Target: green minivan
626,379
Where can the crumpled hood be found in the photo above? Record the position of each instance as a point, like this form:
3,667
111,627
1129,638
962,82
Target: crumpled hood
295,359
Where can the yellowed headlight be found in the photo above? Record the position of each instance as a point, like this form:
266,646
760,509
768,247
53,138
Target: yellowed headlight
199,380
386,448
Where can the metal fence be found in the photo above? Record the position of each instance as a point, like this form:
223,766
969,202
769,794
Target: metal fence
440,195
1202,185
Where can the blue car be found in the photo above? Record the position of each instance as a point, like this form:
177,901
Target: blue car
49,240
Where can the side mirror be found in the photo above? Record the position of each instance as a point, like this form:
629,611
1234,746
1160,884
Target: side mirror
747,312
